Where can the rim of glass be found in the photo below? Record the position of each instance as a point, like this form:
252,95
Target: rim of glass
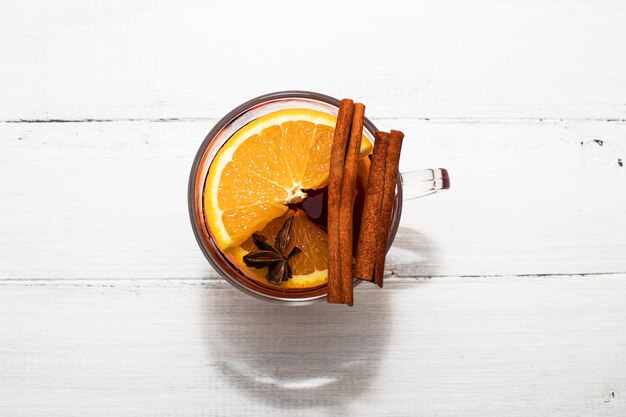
208,247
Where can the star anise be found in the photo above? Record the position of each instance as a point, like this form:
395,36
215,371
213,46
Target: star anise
276,257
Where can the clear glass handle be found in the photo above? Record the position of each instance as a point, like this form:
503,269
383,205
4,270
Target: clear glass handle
423,182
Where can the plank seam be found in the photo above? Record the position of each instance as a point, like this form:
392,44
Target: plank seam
495,120
213,282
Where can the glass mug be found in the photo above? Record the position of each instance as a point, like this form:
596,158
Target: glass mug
409,185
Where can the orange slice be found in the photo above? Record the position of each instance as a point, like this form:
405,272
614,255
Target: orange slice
310,267
264,166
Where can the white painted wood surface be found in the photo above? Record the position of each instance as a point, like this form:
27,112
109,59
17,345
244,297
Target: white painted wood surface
153,59
442,347
107,307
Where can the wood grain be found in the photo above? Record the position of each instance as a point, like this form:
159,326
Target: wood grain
453,59
441,347
108,200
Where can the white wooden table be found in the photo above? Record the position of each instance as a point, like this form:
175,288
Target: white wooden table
507,295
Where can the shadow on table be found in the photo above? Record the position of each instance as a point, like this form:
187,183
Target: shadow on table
300,357
413,253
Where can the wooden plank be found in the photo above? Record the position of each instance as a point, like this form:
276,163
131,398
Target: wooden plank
108,200
440,347
525,199
532,59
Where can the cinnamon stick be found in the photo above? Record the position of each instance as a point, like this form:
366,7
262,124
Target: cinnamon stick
366,248
337,162
389,192
346,204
